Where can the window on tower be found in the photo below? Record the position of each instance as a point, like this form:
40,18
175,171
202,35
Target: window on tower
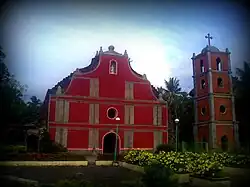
202,66
218,64
203,111
222,109
219,82
113,67
203,83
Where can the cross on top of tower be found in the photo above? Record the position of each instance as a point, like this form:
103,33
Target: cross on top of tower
208,37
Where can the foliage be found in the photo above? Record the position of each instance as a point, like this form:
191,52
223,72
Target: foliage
188,162
32,110
11,91
14,110
12,149
164,147
157,175
49,146
180,105
242,102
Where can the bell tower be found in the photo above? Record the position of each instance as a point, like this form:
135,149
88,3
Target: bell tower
215,121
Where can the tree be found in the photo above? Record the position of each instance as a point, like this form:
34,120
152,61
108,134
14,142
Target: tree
242,101
180,105
11,92
32,112
171,94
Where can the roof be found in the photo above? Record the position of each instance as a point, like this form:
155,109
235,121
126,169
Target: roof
210,48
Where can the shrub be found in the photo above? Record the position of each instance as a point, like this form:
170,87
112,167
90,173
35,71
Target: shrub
13,149
139,157
48,146
157,175
164,147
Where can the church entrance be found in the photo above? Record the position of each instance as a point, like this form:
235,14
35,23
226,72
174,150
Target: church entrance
109,143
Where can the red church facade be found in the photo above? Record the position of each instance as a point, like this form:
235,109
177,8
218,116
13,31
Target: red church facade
86,109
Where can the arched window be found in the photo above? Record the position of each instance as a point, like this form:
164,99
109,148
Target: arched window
112,67
202,66
219,82
203,83
203,111
218,64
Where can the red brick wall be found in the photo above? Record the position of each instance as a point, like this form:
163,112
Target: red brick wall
222,130
203,103
228,104
224,59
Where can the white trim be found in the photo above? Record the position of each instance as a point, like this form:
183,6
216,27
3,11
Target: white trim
119,138
83,73
115,114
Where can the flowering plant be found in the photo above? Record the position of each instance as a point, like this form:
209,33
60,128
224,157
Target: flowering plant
203,164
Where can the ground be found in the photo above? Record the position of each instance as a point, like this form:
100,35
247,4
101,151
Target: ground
104,174
112,176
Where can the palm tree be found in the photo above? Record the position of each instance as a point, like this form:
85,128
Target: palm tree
172,95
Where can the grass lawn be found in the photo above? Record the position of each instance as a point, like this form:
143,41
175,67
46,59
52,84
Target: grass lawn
46,175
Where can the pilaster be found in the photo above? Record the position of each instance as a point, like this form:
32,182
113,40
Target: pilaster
94,87
128,138
93,138
129,90
195,128
155,115
91,113
212,126
157,138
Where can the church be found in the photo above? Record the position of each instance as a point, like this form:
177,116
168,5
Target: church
106,106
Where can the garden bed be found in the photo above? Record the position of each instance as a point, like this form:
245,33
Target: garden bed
182,178
43,157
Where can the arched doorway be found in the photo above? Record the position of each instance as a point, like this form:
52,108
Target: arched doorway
224,143
109,143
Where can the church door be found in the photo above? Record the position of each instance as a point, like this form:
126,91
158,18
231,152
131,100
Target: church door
109,143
